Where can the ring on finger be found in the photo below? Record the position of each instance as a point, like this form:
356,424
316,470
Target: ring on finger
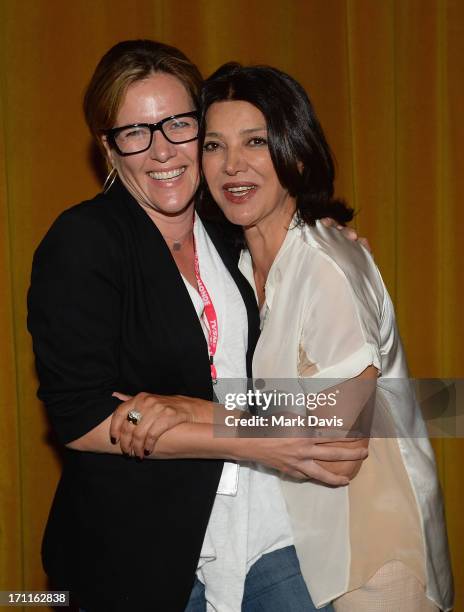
134,417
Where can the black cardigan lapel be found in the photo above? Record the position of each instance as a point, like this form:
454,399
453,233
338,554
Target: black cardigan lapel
171,300
230,259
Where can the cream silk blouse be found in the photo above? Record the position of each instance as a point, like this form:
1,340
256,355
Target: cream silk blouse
327,315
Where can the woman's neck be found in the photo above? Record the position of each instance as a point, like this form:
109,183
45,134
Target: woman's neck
265,239
175,229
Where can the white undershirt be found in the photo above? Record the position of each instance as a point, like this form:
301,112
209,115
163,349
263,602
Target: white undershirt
253,519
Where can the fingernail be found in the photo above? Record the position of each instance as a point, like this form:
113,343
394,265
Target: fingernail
113,440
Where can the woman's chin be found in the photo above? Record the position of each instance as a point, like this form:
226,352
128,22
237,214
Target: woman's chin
238,215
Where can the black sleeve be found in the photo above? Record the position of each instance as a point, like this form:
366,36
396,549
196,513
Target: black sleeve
74,312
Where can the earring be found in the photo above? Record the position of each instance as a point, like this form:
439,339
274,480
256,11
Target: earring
110,180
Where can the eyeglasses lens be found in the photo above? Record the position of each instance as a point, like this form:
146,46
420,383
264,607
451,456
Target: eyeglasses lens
178,130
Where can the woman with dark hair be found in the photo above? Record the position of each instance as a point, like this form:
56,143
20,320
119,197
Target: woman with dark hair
379,543
133,296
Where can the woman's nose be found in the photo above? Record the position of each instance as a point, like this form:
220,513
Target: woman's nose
234,162
161,149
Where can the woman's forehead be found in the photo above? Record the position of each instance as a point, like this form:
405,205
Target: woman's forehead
238,114
157,96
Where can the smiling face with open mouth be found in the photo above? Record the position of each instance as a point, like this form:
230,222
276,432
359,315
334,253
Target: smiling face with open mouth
238,166
165,177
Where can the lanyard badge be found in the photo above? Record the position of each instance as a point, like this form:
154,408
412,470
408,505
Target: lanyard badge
210,314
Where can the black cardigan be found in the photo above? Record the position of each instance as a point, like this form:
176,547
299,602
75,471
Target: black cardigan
108,310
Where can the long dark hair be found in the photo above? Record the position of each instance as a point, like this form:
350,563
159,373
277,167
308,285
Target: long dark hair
297,145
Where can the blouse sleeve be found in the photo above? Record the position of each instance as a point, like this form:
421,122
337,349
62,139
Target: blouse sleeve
340,330
74,310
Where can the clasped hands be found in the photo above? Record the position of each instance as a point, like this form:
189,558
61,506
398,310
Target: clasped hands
328,460
159,414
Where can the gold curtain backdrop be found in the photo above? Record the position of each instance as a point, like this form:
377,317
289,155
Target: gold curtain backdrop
387,80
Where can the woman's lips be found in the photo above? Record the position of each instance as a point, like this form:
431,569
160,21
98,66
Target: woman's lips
239,192
167,174
166,178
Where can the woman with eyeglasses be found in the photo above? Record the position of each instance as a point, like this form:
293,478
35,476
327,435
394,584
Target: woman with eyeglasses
134,298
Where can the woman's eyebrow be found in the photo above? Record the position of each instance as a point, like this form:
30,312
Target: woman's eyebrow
255,129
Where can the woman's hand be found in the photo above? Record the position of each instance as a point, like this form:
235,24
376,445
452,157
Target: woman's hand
329,461
159,413
345,468
348,232
306,458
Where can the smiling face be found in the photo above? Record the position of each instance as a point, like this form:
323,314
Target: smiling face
165,177
238,167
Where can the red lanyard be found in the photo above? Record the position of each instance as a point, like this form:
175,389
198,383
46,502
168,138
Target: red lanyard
210,314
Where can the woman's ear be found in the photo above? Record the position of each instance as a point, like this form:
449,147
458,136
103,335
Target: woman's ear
300,167
108,151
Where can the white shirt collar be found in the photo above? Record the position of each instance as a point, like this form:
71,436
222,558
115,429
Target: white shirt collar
245,263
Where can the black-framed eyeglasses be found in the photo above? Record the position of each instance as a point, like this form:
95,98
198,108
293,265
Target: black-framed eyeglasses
136,138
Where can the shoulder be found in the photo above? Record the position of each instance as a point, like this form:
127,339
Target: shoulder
83,245
83,242
91,225
329,244
98,213
334,270
333,255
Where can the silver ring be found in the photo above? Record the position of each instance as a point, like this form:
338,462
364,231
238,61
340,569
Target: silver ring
134,417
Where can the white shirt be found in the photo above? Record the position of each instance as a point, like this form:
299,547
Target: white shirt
327,306
251,521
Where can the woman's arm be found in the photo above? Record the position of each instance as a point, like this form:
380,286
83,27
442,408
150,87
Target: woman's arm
162,413
296,457
74,317
339,348
354,401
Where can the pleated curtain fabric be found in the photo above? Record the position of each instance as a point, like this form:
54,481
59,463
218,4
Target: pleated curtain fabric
387,80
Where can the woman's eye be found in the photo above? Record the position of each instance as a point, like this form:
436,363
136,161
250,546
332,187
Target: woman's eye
178,124
257,142
134,133
209,147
